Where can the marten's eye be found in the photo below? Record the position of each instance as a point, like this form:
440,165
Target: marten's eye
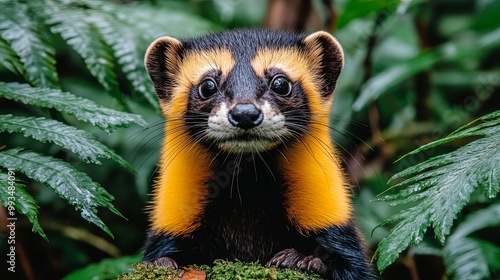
207,88
281,85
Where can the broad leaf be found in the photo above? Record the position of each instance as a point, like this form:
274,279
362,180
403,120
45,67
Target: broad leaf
37,56
355,9
68,137
452,51
82,109
441,186
105,269
24,203
74,186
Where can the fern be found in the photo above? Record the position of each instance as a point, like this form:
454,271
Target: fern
83,109
9,59
152,22
24,203
129,56
37,56
111,39
68,137
85,39
114,23
467,257
70,184
441,186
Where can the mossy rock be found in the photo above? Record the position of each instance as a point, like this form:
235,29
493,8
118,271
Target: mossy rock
221,270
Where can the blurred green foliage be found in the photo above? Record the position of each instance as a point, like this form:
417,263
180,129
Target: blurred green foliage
414,72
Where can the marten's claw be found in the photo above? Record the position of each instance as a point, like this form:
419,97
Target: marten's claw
291,258
287,258
312,263
163,261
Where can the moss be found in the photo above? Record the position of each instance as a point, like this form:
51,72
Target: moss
150,272
221,270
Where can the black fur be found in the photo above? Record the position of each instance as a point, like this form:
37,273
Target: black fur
245,219
244,42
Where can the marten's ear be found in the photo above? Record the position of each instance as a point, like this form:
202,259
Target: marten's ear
162,61
327,53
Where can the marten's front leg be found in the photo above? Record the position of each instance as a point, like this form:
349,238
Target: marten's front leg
339,254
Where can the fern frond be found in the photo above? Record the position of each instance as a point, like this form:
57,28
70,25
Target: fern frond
442,185
24,203
70,184
37,56
85,39
129,51
152,21
9,59
172,20
467,257
148,23
83,109
490,121
68,137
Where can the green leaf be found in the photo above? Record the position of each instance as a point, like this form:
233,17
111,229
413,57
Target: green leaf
105,269
467,257
37,56
68,137
82,109
484,129
354,9
452,51
395,75
9,59
129,44
441,186
152,21
24,203
85,39
169,19
70,184
128,53
486,15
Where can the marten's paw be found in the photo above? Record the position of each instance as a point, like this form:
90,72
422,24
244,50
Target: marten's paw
291,258
163,261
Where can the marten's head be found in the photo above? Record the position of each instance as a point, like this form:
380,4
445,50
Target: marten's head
245,90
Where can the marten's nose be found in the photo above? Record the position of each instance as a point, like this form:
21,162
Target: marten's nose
245,116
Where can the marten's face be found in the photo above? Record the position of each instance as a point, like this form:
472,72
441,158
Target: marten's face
249,108
247,90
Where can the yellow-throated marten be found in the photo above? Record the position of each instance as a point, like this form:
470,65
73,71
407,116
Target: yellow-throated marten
248,170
